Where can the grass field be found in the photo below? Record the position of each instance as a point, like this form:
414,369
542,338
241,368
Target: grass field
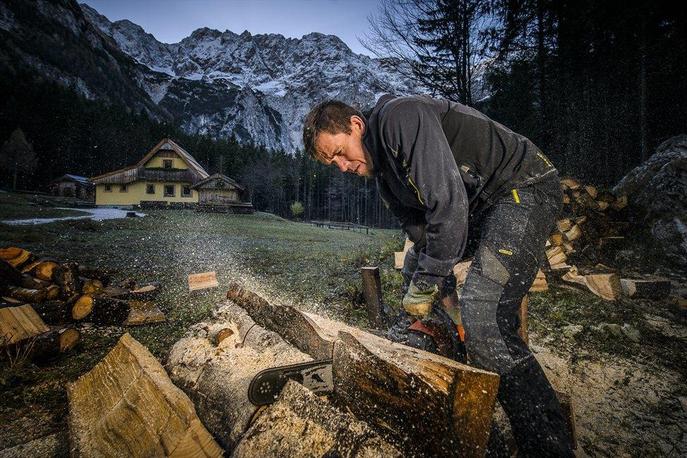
19,206
318,269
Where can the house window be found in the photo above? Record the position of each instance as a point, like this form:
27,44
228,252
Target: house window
169,190
185,191
108,188
167,163
122,188
150,189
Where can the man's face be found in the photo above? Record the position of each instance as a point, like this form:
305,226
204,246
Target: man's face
346,151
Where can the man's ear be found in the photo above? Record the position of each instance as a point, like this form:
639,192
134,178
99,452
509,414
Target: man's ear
358,122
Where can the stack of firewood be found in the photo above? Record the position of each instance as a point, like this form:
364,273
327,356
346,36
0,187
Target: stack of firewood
35,292
591,227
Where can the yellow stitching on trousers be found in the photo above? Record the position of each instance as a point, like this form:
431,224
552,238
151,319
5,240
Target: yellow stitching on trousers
516,197
545,159
507,252
417,191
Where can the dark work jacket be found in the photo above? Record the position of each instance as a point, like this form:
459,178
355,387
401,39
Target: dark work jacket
437,162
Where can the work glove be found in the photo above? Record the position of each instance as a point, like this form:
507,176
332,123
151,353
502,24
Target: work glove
418,301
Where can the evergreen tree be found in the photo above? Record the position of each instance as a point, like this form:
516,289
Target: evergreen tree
17,156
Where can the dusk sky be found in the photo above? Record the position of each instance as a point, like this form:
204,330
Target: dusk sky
171,20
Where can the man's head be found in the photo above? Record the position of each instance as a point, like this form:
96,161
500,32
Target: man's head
333,134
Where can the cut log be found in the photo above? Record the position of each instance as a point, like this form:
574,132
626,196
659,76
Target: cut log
390,386
540,284
302,424
127,406
42,269
556,255
564,225
602,206
372,292
67,277
556,239
146,292
15,256
606,286
592,191
620,203
645,289
83,307
91,286
399,259
19,323
116,292
574,233
97,274
27,295
143,312
570,183
52,292
56,342
216,378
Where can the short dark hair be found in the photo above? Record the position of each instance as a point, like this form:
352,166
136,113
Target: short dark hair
331,116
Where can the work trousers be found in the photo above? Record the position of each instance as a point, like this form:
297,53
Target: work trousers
512,234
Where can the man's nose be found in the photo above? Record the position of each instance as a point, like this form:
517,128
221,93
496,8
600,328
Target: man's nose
342,164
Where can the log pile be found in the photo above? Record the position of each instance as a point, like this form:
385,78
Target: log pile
386,398
41,301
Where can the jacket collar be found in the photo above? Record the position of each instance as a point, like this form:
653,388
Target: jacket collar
371,138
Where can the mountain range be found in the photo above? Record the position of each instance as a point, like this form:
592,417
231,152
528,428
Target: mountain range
254,87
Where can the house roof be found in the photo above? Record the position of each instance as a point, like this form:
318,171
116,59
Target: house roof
217,176
131,173
70,177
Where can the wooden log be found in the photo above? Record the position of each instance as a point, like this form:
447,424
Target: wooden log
606,285
143,312
97,274
216,378
91,286
116,292
645,289
570,183
574,233
52,292
620,203
556,239
564,225
540,284
556,255
145,292
42,269
27,295
301,423
222,334
81,307
56,342
372,292
592,191
399,259
19,323
15,256
389,385
67,277
127,406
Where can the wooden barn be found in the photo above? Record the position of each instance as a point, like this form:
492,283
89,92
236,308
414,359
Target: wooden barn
162,178
72,186
222,194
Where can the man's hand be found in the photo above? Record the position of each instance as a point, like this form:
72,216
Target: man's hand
418,302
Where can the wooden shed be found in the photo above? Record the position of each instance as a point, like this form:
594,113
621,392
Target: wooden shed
69,185
220,193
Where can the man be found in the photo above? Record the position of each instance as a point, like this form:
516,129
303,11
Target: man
441,166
